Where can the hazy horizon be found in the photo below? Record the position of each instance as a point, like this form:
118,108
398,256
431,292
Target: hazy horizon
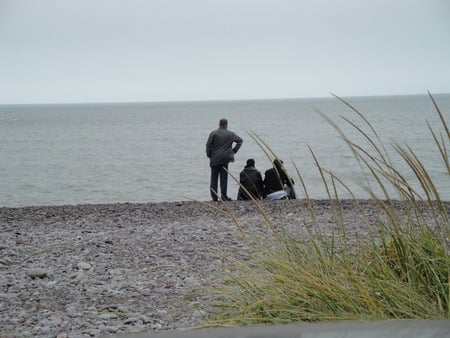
222,100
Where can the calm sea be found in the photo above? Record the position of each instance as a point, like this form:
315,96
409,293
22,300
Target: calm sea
153,152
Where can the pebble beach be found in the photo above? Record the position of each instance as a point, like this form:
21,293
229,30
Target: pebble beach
95,270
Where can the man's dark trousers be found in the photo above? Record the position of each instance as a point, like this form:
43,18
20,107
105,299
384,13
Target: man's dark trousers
216,172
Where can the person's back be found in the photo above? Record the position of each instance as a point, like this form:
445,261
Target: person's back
276,180
219,146
251,183
220,151
272,182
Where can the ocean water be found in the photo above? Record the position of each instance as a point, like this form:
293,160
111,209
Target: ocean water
153,152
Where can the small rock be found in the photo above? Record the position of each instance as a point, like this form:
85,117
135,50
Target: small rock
191,281
41,330
107,316
112,329
156,326
130,320
93,333
20,240
162,313
51,285
110,307
199,314
71,309
37,273
144,319
84,266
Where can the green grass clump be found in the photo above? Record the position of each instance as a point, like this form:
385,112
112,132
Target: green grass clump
400,271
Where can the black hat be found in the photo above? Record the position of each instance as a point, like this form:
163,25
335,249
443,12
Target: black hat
250,162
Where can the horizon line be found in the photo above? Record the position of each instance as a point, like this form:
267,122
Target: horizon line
214,100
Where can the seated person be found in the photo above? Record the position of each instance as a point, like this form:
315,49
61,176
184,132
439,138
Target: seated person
277,184
251,183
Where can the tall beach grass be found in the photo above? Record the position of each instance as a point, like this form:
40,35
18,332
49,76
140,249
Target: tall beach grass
400,270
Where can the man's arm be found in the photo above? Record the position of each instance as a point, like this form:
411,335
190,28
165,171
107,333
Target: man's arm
209,145
238,142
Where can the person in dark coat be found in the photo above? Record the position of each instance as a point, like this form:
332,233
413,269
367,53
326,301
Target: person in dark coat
220,151
251,183
277,183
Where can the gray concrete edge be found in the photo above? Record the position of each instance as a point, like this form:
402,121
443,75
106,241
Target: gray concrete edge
341,329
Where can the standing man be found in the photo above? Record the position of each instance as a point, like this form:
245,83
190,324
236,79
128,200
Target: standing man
220,152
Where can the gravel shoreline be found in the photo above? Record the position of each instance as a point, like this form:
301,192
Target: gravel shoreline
90,270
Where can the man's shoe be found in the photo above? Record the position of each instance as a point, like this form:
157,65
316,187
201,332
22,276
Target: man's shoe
226,198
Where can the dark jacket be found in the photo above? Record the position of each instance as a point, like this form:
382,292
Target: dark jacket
219,147
250,179
274,180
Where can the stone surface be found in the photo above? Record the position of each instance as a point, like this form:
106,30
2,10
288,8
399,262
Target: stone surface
90,270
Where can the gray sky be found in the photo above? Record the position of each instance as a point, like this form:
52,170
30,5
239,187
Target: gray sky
171,50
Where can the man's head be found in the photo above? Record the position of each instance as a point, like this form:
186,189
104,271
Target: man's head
223,123
250,162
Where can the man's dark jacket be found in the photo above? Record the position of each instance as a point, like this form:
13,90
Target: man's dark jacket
274,180
250,179
219,147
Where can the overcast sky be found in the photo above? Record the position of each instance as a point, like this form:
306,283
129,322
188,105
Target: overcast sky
172,50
